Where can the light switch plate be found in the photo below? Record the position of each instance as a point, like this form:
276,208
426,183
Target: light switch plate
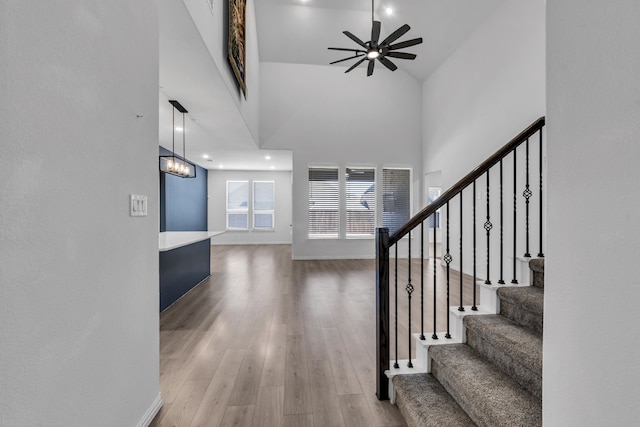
138,205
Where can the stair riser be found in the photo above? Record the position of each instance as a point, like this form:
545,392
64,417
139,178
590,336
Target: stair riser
525,318
518,369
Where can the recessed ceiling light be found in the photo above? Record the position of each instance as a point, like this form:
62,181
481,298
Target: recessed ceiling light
267,157
205,156
273,167
178,129
389,11
221,166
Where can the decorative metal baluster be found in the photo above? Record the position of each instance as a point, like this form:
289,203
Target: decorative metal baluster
501,280
448,259
540,254
515,205
435,248
527,195
422,280
488,226
409,289
461,307
474,307
396,365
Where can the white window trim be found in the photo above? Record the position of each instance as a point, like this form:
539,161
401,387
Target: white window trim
271,212
237,211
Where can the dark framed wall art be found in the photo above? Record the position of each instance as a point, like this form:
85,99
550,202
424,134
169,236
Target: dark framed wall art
236,48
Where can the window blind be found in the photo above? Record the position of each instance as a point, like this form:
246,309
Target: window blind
396,198
361,202
324,203
263,205
237,205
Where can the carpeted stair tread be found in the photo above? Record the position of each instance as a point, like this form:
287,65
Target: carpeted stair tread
515,350
524,305
423,402
489,396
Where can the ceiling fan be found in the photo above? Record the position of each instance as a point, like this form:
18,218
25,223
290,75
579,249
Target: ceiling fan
373,49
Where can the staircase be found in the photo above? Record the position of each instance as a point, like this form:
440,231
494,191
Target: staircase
481,361
495,378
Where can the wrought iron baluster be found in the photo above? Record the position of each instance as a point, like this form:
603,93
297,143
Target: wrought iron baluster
515,206
474,307
396,365
541,254
461,307
422,280
501,280
435,248
488,226
527,195
409,289
448,258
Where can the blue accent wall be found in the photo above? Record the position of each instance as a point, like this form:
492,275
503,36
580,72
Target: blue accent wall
183,201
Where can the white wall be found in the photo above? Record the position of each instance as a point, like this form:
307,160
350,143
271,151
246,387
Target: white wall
591,349
213,28
489,90
328,117
78,276
217,207
481,97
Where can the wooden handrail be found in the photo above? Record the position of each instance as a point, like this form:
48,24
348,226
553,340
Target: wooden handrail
468,179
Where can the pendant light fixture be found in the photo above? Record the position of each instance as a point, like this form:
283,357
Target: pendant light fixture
173,164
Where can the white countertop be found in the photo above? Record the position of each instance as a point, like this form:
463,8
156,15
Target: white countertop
175,239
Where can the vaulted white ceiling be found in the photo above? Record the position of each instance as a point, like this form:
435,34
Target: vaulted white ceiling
299,31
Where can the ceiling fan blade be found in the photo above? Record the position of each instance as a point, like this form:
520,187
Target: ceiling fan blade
375,32
346,59
346,50
355,39
356,64
404,44
401,55
390,65
370,68
396,35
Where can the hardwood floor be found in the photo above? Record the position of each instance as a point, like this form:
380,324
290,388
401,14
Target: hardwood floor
267,341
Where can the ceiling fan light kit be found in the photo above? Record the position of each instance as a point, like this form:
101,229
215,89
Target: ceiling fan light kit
381,51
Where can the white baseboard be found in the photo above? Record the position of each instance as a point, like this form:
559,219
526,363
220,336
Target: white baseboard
150,414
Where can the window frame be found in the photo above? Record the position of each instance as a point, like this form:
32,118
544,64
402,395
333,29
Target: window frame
236,211
255,211
370,200
337,200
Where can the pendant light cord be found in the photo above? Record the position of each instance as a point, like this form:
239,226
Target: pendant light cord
173,132
184,149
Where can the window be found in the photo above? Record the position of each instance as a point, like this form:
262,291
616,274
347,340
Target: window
396,198
237,205
361,202
263,205
324,203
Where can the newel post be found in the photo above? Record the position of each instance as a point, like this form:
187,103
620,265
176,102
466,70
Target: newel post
382,312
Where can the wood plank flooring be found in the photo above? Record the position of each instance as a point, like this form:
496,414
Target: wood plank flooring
267,341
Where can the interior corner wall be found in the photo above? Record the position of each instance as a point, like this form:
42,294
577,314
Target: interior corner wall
592,289
217,208
488,91
79,327
213,27
329,118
